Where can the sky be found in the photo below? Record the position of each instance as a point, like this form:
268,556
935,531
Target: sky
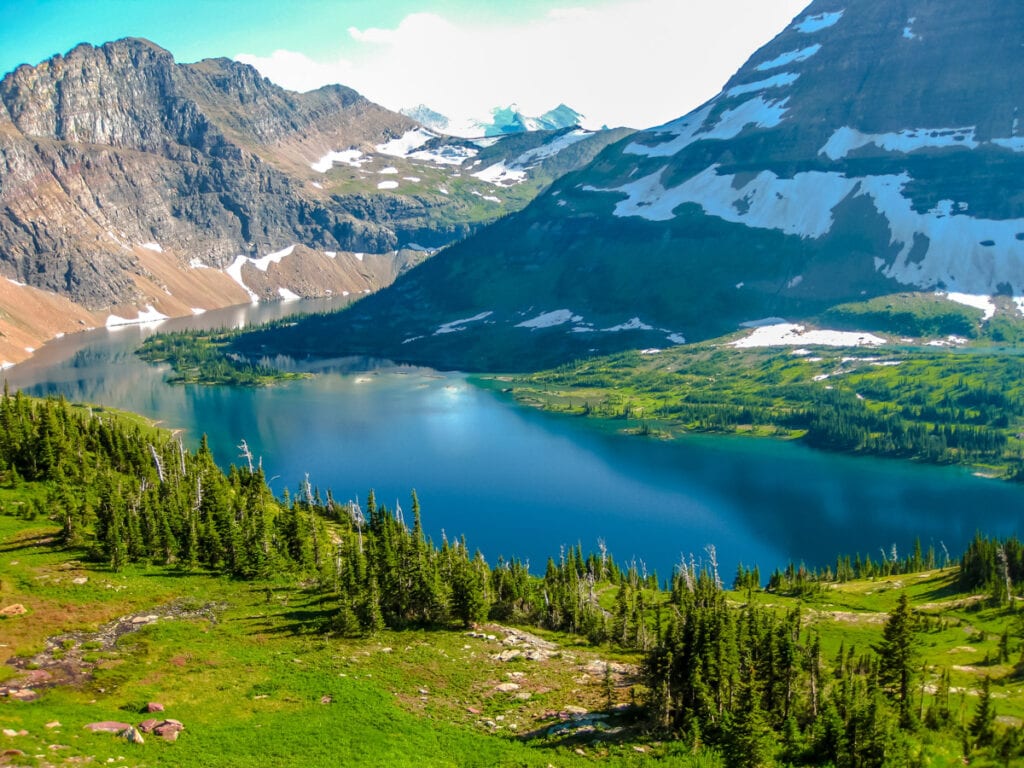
619,62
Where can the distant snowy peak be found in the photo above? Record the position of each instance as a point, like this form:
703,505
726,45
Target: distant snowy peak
510,120
502,121
427,117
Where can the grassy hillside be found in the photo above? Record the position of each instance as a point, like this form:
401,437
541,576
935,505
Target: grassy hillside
249,670
133,571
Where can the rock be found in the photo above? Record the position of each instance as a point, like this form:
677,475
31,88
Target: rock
132,735
107,726
53,724
507,687
473,710
13,610
508,655
524,695
422,691
326,699
168,730
80,580
572,709
147,726
154,706
11,732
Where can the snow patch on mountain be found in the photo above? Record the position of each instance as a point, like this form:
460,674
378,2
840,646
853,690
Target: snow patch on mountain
447,154
965,254
1016,143
845,140
155,247
534,156
351,157
501,174
460,325
790,57
794,335
406,143
550,319
287,295
780,80
387,185
816,23
798,206
263,263
635,324
690,129
981,302
148,315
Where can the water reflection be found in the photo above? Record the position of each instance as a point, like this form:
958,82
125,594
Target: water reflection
522,483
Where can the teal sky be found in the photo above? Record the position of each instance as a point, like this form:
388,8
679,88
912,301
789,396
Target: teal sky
34,30
619,62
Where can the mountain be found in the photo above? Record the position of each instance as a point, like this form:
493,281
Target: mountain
869,148
133,187
501,122
427,117
510,120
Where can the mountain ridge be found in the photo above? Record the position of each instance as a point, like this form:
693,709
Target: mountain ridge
867,149
133,185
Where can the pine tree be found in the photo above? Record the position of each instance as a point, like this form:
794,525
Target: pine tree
983,726
897,655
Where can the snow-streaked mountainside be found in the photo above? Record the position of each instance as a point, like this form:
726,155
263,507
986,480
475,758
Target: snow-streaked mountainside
871,147
501,121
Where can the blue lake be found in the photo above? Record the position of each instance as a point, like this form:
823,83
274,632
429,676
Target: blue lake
522,483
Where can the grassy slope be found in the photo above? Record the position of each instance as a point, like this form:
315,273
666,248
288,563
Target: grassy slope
249,685
655,392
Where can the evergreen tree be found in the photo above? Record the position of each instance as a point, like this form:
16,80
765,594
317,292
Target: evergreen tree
897,657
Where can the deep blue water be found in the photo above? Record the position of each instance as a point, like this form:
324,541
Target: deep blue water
522,483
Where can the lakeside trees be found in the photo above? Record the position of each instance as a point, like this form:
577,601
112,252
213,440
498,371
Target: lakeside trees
746,678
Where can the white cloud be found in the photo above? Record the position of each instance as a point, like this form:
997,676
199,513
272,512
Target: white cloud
631,62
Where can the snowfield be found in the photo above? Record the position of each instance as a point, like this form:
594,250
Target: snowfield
983,303
811,24
793,335
780,80
351,157
148,315
790,57
460,325
551,319
500,174
845,140
691,128
965,255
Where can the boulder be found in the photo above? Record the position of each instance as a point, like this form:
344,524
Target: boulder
147,726
154,707
107,726
132,735
13,610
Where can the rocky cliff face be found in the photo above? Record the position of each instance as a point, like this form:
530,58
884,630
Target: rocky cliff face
871,147
129,182
112,149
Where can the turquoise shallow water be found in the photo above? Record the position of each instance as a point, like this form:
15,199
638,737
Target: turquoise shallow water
522,483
